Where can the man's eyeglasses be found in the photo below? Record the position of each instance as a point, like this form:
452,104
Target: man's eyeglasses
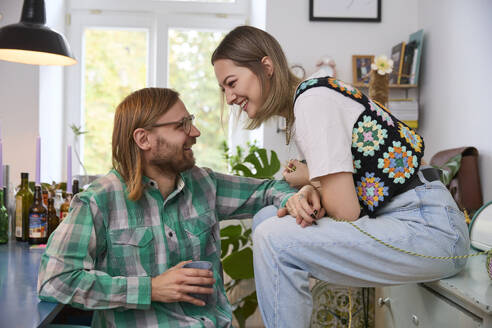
185,122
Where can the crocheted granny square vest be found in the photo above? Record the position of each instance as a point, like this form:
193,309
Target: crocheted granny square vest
386,153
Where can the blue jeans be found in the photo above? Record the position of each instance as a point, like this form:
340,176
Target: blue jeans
424,220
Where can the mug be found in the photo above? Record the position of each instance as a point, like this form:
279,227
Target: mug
205,265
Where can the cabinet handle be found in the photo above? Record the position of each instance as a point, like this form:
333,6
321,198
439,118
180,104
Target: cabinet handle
384,301
415,320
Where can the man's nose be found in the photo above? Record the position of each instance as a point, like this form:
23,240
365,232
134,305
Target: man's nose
194,131
230,97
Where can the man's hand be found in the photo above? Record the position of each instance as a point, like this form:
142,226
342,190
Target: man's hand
305,206
174,284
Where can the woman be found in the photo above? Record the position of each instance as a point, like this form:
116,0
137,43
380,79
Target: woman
366,166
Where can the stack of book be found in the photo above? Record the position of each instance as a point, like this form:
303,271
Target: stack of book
406,60
406,110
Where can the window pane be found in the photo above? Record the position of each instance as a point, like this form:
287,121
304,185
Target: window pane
115,64
192,75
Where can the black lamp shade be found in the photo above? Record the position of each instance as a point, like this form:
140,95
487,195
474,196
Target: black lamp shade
32,42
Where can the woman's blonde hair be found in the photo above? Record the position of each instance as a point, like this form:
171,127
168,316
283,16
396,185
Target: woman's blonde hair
246,46
141,109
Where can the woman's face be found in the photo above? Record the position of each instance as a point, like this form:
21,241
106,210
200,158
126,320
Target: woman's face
240,86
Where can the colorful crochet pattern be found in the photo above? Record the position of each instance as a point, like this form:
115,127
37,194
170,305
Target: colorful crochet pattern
386,153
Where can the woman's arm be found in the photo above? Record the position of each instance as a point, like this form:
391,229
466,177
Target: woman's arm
338,196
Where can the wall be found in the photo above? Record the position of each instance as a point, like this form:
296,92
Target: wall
32,105
454,109
305,42
18,108
456,84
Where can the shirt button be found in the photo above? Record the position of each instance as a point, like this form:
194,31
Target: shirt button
170,234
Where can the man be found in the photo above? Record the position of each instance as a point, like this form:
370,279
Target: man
122,248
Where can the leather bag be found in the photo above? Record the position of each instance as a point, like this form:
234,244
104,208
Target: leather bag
465,186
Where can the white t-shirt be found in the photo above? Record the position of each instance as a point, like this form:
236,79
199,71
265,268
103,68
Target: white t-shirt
324,120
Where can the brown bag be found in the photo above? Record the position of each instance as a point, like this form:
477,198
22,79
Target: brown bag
465,186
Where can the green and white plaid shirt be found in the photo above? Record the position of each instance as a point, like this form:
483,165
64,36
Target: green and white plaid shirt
103,255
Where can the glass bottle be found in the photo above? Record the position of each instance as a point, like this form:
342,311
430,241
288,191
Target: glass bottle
65,207
4,220
23,201
45,194
75,187
53,220
58,201
38,219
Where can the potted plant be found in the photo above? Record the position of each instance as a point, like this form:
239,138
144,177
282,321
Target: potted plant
236,241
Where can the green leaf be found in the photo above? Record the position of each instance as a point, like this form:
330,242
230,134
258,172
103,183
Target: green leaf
239,265
231,235
244,308
258,158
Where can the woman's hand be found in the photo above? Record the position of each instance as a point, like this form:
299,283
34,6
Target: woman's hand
296,174
305,206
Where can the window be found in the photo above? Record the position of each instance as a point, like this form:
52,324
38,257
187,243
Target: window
191,73
121,50
115,64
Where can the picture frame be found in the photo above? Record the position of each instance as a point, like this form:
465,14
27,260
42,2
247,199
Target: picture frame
345,10
361,68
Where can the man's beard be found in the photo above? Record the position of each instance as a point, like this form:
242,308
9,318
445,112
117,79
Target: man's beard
172,158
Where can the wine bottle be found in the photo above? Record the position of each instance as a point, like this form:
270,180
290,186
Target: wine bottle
65,207
53,220
58,201
38,219
4,220
23,200
75,187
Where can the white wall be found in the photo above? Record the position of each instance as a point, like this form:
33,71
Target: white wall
457,79
304,42
31,105
19,89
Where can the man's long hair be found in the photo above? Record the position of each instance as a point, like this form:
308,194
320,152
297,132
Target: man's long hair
141,109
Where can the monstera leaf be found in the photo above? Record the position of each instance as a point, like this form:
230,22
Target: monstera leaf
263,168
239,265
245,307
233,235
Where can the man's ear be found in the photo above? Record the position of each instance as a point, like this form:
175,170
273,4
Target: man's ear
141,138
267,66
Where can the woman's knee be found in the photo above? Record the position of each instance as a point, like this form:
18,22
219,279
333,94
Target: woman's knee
263,214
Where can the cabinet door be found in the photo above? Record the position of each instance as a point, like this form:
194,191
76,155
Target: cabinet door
413,305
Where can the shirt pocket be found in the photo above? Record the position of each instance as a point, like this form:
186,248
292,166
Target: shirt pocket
203,235
131,252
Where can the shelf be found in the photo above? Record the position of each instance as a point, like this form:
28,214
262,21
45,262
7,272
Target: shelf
391,86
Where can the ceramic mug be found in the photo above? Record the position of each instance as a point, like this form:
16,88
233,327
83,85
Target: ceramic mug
205,265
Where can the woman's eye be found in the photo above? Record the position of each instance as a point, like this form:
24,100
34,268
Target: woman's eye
231,84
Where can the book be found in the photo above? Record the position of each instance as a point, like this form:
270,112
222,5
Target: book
418,38
397,57
406,71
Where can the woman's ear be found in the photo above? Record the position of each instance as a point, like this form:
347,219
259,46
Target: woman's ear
267,65
141,138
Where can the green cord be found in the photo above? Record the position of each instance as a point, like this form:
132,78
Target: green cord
412,253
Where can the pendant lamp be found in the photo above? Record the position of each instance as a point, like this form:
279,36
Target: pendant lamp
31,42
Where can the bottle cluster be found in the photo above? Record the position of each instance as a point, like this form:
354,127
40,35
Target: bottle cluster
38,214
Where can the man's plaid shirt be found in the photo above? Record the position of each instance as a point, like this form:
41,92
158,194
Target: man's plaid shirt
103,255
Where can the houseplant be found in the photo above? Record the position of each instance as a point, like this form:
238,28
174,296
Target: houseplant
236,241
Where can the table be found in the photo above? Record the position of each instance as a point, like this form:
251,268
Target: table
19,302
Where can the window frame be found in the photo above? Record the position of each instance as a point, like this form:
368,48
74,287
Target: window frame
155,16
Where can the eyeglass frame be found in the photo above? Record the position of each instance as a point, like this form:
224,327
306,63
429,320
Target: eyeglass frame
181,121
